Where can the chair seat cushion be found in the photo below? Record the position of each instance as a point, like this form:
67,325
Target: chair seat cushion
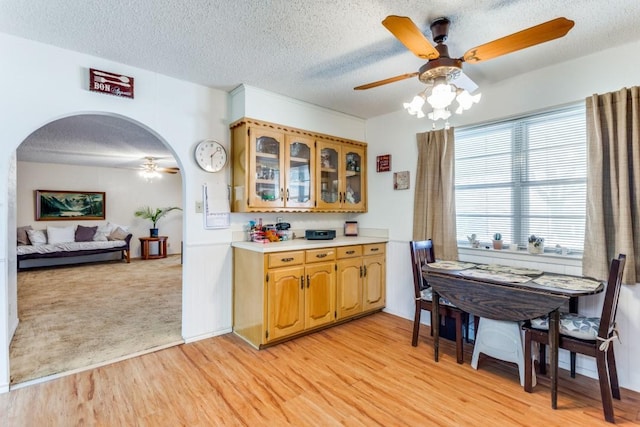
427,295
573,325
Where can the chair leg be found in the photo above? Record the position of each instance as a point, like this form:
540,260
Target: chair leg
542,362
605,386
465,319
416,324
613,374
528,363
459,344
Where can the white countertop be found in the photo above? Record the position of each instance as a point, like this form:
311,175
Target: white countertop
301,244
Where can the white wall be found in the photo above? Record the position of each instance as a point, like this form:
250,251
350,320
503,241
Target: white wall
395,134
125,192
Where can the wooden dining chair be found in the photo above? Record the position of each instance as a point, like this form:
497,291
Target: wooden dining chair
422,252
591,336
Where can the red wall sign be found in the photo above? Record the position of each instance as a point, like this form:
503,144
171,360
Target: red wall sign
111,83
383,163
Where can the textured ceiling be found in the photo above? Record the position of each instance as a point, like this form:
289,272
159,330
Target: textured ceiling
312,50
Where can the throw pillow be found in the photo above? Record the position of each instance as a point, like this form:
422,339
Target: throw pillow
23,238
37,237
113,227
61,234
85,234
118,234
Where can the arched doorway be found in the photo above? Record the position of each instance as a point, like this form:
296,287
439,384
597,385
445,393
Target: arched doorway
102,152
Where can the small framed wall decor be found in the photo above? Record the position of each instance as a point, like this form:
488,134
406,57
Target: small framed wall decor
351,228
383,163
401,180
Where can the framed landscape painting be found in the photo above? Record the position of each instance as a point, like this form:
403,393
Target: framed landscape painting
54,205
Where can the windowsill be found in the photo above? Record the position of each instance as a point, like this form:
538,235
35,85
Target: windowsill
522,256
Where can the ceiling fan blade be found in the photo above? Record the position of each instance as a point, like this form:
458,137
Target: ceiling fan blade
386,81
541,33
171,170
410,35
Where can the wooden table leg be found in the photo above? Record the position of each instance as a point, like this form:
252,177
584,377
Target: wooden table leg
435,324
554,343
164,248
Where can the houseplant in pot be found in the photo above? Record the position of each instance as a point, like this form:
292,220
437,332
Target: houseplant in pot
497,241
154,216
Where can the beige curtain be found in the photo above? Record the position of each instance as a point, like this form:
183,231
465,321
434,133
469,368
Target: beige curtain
434,209
613,183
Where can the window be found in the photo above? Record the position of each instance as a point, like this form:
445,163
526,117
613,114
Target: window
523,176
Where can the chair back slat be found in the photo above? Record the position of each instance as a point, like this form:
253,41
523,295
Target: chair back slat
422,252
611,297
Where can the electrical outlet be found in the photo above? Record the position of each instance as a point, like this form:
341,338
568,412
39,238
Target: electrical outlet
199,207
279,219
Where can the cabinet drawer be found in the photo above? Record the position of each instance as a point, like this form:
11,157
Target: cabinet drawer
374,249
317,255
349,251
281,259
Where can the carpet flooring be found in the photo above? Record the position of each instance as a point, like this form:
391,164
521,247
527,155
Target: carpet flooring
78,316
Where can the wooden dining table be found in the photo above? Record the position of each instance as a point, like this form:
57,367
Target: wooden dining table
507,293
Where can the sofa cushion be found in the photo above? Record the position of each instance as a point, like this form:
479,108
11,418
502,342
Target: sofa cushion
23,238
37,237
117,234
61,234
85,234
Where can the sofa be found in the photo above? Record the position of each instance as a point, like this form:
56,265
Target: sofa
70,242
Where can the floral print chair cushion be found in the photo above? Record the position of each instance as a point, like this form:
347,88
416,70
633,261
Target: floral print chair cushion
573,325
427,295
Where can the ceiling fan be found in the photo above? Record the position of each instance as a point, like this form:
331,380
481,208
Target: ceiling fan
150,169
441,69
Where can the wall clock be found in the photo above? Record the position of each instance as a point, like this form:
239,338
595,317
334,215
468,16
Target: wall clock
211,156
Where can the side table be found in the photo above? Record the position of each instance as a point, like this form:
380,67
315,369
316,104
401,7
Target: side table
162,247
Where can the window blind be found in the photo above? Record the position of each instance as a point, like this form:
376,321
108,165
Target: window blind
523,176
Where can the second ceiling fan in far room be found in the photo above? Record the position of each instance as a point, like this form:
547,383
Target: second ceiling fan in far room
443,74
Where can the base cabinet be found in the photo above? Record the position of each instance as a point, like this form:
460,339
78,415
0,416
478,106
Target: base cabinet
281,295
361,279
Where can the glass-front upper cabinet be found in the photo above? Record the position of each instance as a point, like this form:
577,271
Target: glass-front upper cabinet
354,191
330,192
300,169
266,164
341,176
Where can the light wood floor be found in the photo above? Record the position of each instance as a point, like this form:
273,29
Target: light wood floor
361,373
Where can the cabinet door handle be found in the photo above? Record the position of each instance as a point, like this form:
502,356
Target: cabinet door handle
286,259
308,281
287,194
365,270
360,271
321,255
282,194
350,252
301,282
375,249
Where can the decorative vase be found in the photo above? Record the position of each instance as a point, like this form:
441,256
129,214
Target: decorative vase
153,232
533,249
497,244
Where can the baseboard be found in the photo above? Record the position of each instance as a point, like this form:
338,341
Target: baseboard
207,335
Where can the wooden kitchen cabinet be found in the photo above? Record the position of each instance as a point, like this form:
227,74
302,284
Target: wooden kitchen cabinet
282,294
361,279
279,169
341,177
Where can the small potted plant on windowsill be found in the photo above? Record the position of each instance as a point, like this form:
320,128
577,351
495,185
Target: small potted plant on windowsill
497,241
154,216
536,244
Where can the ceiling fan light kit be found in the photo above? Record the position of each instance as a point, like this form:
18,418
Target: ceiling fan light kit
443,75
149,170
